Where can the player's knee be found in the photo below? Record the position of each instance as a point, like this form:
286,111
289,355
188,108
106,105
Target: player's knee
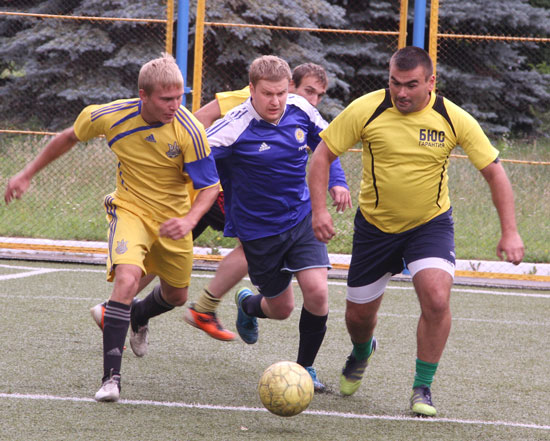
361,316
436,306
175,296
282,312
127,279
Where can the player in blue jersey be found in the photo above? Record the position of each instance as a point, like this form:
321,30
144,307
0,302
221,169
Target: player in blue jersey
261,150
160,147
310,81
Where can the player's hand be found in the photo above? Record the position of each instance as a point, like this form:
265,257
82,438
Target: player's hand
511,249
17,185
341,198
175,228
322,226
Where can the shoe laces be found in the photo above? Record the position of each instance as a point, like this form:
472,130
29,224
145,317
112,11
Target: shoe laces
113,379
352,364
422,394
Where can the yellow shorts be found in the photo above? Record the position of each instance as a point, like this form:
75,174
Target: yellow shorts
134,239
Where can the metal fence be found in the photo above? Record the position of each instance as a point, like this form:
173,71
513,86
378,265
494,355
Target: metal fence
65,200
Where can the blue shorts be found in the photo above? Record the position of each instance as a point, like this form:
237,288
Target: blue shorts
272,260
376,254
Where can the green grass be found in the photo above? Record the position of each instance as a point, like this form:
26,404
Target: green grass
65,200
492,382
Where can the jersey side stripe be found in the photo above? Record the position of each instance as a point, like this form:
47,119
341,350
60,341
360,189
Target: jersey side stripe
441,182
115,108
130,132
194,132
223,123
126,118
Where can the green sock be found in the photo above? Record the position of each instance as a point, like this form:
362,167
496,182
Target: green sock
361,351
425,372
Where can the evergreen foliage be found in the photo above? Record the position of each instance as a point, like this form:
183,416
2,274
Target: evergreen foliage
48,65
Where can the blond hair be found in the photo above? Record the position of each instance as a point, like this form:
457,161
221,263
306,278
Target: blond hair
163,72
270,68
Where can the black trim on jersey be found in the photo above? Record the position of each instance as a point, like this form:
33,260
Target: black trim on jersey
373,176
441,182
384,105
439,107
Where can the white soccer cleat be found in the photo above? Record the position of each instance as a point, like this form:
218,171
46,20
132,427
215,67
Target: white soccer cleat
110,390
139,341
98,313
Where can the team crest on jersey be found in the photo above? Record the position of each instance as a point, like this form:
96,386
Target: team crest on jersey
299,135
121,246
173,150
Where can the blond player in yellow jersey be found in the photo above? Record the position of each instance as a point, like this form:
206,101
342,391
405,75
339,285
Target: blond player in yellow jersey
160,147
407,133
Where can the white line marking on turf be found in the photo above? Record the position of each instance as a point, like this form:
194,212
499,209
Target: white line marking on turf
258,409
38,271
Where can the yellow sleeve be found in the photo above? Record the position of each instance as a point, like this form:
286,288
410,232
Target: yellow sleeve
231,99
472,139
84,128
346,129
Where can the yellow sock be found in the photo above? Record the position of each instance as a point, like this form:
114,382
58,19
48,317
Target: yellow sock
206,302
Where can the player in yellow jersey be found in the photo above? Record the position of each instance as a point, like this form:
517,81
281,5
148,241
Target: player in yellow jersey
308,80
160,147
407,133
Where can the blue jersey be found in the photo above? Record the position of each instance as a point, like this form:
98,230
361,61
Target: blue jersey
262,167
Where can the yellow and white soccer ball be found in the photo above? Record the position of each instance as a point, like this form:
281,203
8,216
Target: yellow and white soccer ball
285,388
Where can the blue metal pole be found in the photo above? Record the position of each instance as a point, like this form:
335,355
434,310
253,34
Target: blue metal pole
419,24
182,45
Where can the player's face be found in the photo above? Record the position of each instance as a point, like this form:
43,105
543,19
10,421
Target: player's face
161,105
410,89
269,99
310,88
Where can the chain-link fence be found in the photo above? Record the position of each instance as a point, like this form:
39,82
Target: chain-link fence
101,60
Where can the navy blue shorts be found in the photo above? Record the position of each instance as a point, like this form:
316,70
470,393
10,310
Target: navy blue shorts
272,260
376,253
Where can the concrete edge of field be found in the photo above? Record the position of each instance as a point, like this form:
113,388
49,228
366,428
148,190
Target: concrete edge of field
524,276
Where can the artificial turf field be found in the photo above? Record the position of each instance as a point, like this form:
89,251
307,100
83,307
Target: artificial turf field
493,382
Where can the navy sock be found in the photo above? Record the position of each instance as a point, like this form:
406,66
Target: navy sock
149,307
252,306
115,327
312,333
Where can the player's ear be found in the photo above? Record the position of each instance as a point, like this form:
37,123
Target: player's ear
291,86
142,94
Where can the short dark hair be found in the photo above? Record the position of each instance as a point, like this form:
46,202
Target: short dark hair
307,70
410,57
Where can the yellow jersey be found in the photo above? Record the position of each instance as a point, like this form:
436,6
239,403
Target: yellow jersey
155,162
231,99
405,157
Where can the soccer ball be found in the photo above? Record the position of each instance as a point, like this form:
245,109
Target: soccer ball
285,388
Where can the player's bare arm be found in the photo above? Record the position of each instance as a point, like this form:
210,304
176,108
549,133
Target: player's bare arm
208,113
178,227
318,182
510,246
59,145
